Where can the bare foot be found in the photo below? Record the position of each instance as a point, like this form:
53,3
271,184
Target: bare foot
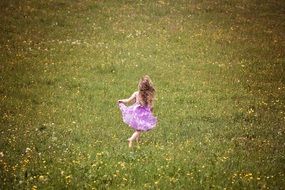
130,143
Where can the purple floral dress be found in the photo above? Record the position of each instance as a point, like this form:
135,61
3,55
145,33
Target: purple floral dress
137,116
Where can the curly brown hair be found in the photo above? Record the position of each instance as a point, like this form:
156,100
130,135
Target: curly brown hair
146,91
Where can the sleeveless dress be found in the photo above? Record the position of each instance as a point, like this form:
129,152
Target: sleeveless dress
137,116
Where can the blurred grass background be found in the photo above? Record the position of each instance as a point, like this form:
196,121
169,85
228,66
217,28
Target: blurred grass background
218,67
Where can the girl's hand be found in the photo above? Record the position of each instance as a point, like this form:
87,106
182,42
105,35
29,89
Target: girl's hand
120,101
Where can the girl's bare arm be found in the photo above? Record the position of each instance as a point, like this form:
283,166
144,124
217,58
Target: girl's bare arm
131,99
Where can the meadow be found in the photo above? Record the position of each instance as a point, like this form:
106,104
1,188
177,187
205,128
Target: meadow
218,68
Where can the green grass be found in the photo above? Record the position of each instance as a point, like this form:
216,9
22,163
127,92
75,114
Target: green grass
218,67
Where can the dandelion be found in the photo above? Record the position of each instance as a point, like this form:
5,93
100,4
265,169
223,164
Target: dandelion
68,179
189,174
42,178
248,174
28,150
173,179
99,154
167,159
122,164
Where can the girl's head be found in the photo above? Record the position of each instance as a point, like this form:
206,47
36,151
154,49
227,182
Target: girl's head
146,91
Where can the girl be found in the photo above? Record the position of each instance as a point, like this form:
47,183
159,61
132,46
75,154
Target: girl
139,115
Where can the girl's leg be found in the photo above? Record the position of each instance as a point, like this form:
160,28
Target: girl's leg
133,137
138,137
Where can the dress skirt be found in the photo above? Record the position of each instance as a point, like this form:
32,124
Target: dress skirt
138,117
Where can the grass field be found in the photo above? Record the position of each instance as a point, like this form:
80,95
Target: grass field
218,67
